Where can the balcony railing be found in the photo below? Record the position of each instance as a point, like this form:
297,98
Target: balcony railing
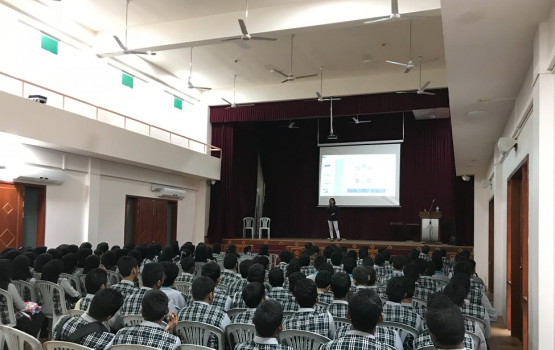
88,110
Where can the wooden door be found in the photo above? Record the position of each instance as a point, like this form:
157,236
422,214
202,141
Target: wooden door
523,268
11,211
144,219
491,246
150,221
160,222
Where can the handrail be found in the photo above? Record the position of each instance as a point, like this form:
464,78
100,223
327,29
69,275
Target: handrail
208,149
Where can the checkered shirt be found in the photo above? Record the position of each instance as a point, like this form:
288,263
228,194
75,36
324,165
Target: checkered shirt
308,270
220,298
185,278
404,315
477,285
279,294
125,289
326,298
337,269
86,302
446,261
310,320
200,312
422,293
244,317
283,267
251,345
359,262
57,301
96,340
476,311
383,334
425,257
5,314
338,309
397,274
380,291
475,296
424,340
228,277
421,310
238,301
384,274
237,286
132,305
290,304
146,335
428,283
354,342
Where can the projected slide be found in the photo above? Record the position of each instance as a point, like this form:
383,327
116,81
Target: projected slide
360,175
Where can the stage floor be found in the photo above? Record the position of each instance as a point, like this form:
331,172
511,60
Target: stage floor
296,245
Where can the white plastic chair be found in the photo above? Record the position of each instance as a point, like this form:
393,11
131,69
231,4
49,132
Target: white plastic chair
74,313
76,282
46,289
235,311
238,333
113,278
402,329
198,268
130,347
198,333
16,339
7,298
302,340
248,224
22,286
131,320
183,287
419,302
63,345
192,347
341,322
264,225
37,275
273,260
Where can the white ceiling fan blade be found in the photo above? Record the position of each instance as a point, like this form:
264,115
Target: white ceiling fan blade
318,94
286,81
395,7
364,121
201,88
306,76
427,93
120,43
377,20
426,61
243,27
406,92
332,99
425,86
279,72
398,63
246,105
231,39
111,54
141,53
229,103
409,68
262,38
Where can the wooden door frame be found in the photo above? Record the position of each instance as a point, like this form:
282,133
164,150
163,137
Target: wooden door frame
174,215
491,244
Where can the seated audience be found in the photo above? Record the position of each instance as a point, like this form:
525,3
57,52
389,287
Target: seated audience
229,274
276,279
439,275
285,257
256,273
476,293
306,267
362,254
21,271
171,271
473,310
221,299
154,307
95,281
51,273
349,265
253,295
360,278
129,269
188,267
69,262
109,260
446,326
336,258
264,250
424,253
340,285
201,310
248,250
291,303
398,263
307,318
240,284
319,261
88,329
383,272
323,281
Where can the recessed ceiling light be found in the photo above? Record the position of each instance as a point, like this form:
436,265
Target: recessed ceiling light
476,113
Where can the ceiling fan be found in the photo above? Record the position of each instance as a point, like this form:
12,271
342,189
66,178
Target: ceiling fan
487,100
246,36
357,121
291,125
234,105
320,93
410,65
331,136
291,77
189,83
422,89
124,49
394,16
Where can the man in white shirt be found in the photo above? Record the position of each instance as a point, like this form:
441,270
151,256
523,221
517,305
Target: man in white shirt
446,325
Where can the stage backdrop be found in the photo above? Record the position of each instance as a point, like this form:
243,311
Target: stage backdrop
290,164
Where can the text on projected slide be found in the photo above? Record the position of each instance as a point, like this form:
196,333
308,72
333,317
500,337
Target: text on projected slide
358,175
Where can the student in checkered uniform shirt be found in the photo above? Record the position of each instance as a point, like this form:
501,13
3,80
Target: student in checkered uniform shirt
151,332
306,267
129,269
285,257
188,267
393,310
221,299
360,278
439,275
323,281
362,254
253,295
95,281
103,306
229,274
412,271
336,258
340,285
276,279
240,284
256,273
201,310
446,325
291,305
424,253
470,309
383,272
319,262
307,318
476,294
365,313
398,263
267,321
426,279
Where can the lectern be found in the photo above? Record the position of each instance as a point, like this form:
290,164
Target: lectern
430,226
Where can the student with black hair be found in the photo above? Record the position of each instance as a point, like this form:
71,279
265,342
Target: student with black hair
383,273
446,326
476,294
253,295
398,263
221,299
306,267
424,253
217,249
256,273
129,269
387,256
240,284
438,266
318,262
336,259
323,281
150,332
201,310
360,278
276,280
368,261
315,249
412,271
285,257
229,274
469,309
267,321
248,250
188,267
171,271
95,281
291,304
103,307
340,285
307,318
328,251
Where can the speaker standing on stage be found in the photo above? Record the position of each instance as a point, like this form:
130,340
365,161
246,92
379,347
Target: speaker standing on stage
333,213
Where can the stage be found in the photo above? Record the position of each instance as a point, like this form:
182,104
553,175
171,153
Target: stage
297,245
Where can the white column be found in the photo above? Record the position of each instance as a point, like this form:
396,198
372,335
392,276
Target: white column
500,242
92,214
481,226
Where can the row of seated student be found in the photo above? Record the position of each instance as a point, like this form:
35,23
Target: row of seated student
314,288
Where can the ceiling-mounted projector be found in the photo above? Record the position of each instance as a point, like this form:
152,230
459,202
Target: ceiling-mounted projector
466,178
505,144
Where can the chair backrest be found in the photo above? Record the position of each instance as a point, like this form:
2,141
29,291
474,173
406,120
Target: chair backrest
82,278
265,222
288,313
192,347
37,275
233,312
198,268
113,278
23,286
131,320
248,222
15,339
46,289
224,288
238,333
431,347
402,329
475,339
419,302
320,306
7,298
273,260
74,312
198,333
480,322
341,322
302,340
183,287
130,347
140,280
76,282
63,345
